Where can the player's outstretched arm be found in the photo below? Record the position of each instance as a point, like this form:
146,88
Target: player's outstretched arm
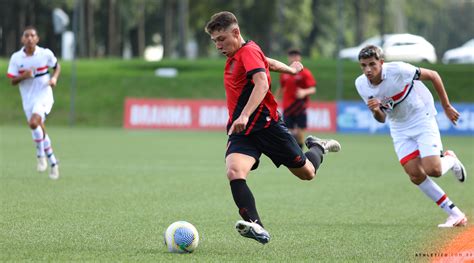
302,93
434,77
281,67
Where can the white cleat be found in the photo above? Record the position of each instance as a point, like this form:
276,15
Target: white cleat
253,231
42,164
54,172
455,221
329,145
458,169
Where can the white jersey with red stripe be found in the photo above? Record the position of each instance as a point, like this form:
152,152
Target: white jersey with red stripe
35,89
404,98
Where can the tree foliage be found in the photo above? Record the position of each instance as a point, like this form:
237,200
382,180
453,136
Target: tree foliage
108,27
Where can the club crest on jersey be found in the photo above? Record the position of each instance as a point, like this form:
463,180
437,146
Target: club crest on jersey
388,103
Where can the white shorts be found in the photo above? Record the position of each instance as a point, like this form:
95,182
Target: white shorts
40,107
421,140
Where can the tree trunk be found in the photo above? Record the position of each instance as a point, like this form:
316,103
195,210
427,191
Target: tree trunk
112,29
82,42
168,36
90,29
360,10
311,39
400,19
141,29
382,20
183,26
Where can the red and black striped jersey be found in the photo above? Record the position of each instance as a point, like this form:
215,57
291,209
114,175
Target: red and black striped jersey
290,84
238,72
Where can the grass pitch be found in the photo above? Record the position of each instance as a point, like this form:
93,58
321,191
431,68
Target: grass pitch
119,190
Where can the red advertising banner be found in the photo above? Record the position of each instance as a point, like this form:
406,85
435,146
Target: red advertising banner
205,114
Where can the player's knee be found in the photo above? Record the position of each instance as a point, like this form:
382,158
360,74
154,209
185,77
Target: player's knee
434,171
417,178
234,173
306,174
35,121
33,124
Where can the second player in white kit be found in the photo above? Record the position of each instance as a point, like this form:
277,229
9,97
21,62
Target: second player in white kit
394,91
29,68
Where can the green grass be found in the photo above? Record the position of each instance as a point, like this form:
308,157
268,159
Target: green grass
102,86
119,190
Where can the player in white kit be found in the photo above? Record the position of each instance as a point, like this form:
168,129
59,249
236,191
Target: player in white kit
28,67
394,90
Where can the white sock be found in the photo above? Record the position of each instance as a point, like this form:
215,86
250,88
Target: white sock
38,139
433,191
49,151
447,162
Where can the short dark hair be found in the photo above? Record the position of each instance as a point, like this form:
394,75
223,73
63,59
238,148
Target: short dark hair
220,21
294,51
371,51
30,28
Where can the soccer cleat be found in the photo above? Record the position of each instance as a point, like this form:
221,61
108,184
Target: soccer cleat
54,172
454,221
458,169
329,145
42,164
252,230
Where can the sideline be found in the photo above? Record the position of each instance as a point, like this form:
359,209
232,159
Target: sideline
460,249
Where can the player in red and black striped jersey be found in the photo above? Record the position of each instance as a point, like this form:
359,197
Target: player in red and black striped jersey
296,90
254,125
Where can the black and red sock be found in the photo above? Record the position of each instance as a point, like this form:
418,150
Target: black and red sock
245,201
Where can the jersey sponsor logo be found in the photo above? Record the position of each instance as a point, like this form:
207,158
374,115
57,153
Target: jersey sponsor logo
388,103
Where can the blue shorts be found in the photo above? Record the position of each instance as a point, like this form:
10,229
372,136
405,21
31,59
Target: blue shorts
276,142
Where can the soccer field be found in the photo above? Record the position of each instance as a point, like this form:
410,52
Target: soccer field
119,190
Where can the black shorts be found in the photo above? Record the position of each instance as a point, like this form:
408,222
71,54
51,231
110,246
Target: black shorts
296,121
276,142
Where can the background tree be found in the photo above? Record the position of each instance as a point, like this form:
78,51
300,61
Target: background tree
108,27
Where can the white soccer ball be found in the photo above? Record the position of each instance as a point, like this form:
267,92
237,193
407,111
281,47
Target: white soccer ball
181,237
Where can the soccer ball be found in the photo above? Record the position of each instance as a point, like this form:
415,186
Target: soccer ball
181,237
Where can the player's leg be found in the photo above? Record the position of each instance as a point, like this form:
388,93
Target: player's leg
316,149
450,161
433,191
432,165
238,167
40,110
241,157
53,162
301,123
409,156
429,146
418,176
37,132
296,133
281,147
291,122
299,136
